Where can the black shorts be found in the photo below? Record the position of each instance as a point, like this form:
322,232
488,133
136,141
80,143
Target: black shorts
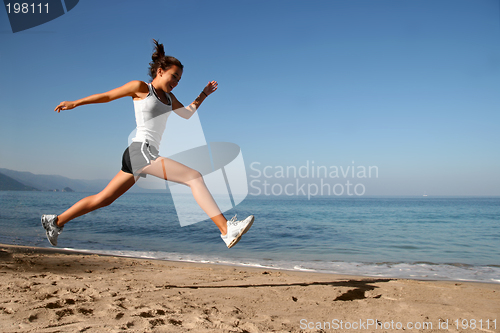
137,156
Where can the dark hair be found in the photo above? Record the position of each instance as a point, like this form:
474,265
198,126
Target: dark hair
160,60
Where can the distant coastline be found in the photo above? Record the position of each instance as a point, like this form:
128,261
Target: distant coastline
9,184
12,180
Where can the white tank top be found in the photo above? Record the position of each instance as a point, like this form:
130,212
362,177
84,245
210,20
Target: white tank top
151,117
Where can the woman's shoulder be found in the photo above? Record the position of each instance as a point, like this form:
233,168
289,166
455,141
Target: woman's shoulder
175,102
137,89
139,86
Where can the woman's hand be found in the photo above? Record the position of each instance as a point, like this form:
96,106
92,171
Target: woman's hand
210,88
65,106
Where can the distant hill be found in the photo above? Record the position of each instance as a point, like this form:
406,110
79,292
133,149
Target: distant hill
10,184
53,182
60,183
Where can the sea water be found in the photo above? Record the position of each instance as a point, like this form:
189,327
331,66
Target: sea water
452,238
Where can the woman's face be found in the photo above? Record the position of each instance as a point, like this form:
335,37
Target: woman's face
169,78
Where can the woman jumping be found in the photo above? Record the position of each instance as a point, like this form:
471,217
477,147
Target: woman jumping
153,102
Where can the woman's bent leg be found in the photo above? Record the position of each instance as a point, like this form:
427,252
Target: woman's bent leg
171,170
116,187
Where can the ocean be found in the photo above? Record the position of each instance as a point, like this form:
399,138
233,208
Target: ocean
439,238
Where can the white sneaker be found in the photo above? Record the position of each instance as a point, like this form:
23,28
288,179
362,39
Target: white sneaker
236,229
51,229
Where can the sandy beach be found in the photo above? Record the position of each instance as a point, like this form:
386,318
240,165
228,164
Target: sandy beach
52,290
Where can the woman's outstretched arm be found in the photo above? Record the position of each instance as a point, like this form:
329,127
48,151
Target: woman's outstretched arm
187,112
129,89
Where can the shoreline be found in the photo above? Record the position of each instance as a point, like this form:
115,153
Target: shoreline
45,289
297,266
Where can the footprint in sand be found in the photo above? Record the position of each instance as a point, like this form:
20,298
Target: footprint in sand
156,322
53,305
64,312
86,312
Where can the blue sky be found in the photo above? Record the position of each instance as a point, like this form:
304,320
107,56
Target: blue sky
411,87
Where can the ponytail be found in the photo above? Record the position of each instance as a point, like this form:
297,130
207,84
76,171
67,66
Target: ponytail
160,60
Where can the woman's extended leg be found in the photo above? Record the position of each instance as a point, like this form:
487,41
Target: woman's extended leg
116,187
171,170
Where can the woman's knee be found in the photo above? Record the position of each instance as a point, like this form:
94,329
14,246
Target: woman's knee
194,177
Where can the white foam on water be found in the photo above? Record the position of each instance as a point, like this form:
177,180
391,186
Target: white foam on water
420,271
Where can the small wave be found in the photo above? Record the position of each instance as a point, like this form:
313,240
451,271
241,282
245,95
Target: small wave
417,270
300,268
